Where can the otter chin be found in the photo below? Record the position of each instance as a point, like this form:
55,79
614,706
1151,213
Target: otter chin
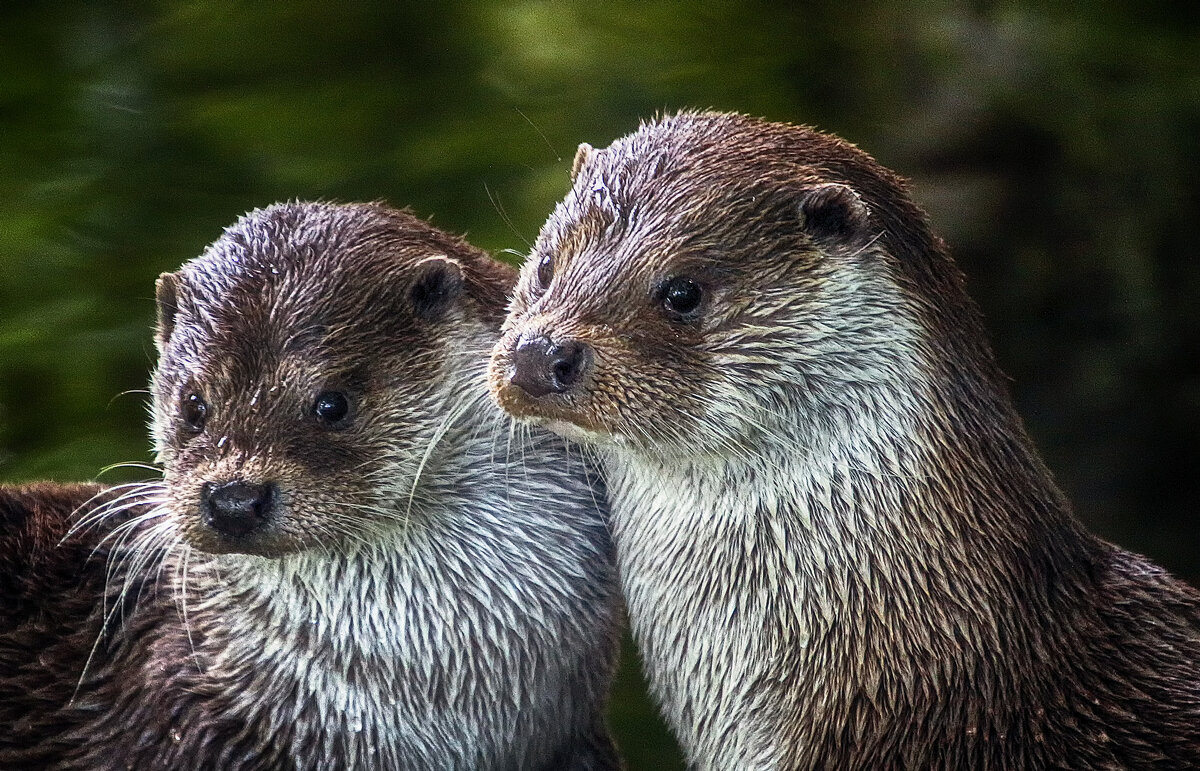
838,546
350,560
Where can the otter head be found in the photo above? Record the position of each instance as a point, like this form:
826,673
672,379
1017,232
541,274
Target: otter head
708,279
307,362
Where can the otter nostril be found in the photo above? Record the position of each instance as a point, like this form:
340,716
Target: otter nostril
541,367
567,365
237,508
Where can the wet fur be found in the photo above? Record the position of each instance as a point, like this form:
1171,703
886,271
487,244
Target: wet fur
838,546
434,591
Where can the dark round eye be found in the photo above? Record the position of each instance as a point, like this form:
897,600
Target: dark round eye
681,295
332,407
194,411
545,270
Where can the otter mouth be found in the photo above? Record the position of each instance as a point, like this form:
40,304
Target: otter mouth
557,417
575,432
205,538
553,411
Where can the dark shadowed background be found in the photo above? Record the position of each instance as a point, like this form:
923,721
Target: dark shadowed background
1057,151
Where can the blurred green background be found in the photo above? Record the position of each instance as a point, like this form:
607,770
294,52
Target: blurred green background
1057,150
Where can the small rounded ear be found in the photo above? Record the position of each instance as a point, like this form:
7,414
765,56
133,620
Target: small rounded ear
166,295
437,281
581,155
832,210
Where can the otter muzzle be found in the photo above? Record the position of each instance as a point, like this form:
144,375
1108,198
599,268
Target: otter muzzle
541,367
237,508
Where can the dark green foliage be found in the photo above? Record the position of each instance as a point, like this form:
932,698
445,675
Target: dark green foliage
1056,151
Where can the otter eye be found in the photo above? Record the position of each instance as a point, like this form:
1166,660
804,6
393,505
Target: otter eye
545,270
194,411
681,296
332,408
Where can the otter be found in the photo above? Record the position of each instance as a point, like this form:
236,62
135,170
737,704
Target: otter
351,559
838,546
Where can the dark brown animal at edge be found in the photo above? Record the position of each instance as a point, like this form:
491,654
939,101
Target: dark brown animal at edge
838,546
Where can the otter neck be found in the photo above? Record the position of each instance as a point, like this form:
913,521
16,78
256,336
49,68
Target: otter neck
338,650
771,593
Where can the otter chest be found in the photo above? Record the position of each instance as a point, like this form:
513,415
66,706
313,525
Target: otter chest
715,607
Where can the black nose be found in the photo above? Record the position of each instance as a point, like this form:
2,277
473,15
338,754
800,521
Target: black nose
542,367
236,508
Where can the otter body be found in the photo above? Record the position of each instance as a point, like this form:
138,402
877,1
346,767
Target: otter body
350,562
838,546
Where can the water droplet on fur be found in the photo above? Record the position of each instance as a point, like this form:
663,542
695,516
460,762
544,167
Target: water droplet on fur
221,441
274,271
176,734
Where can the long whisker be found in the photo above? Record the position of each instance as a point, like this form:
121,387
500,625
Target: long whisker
440,432
181,580
126,567
133,494
131,464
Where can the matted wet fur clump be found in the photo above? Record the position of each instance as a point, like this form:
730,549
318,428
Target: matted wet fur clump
838,546
352,560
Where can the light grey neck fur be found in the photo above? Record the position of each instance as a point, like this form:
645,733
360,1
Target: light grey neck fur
728,569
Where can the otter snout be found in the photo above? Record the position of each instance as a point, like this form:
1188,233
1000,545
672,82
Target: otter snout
236,508
539,366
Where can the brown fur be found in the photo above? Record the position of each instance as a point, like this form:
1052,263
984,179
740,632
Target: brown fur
408,598
838,546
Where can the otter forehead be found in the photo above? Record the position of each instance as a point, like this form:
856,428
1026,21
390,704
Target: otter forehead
296,270
317,282
727,150
304,235
693,191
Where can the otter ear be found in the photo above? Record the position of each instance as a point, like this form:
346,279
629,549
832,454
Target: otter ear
581,155
832,210
166,295
437,281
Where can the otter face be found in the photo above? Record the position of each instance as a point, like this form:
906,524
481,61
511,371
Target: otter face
308,360
692,288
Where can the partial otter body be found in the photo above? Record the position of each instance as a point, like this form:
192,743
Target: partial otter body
350,561
838,546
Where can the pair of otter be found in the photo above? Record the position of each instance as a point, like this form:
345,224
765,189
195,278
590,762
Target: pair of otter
837,545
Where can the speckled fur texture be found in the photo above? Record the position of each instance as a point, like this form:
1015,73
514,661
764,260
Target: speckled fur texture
838,546
433,589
